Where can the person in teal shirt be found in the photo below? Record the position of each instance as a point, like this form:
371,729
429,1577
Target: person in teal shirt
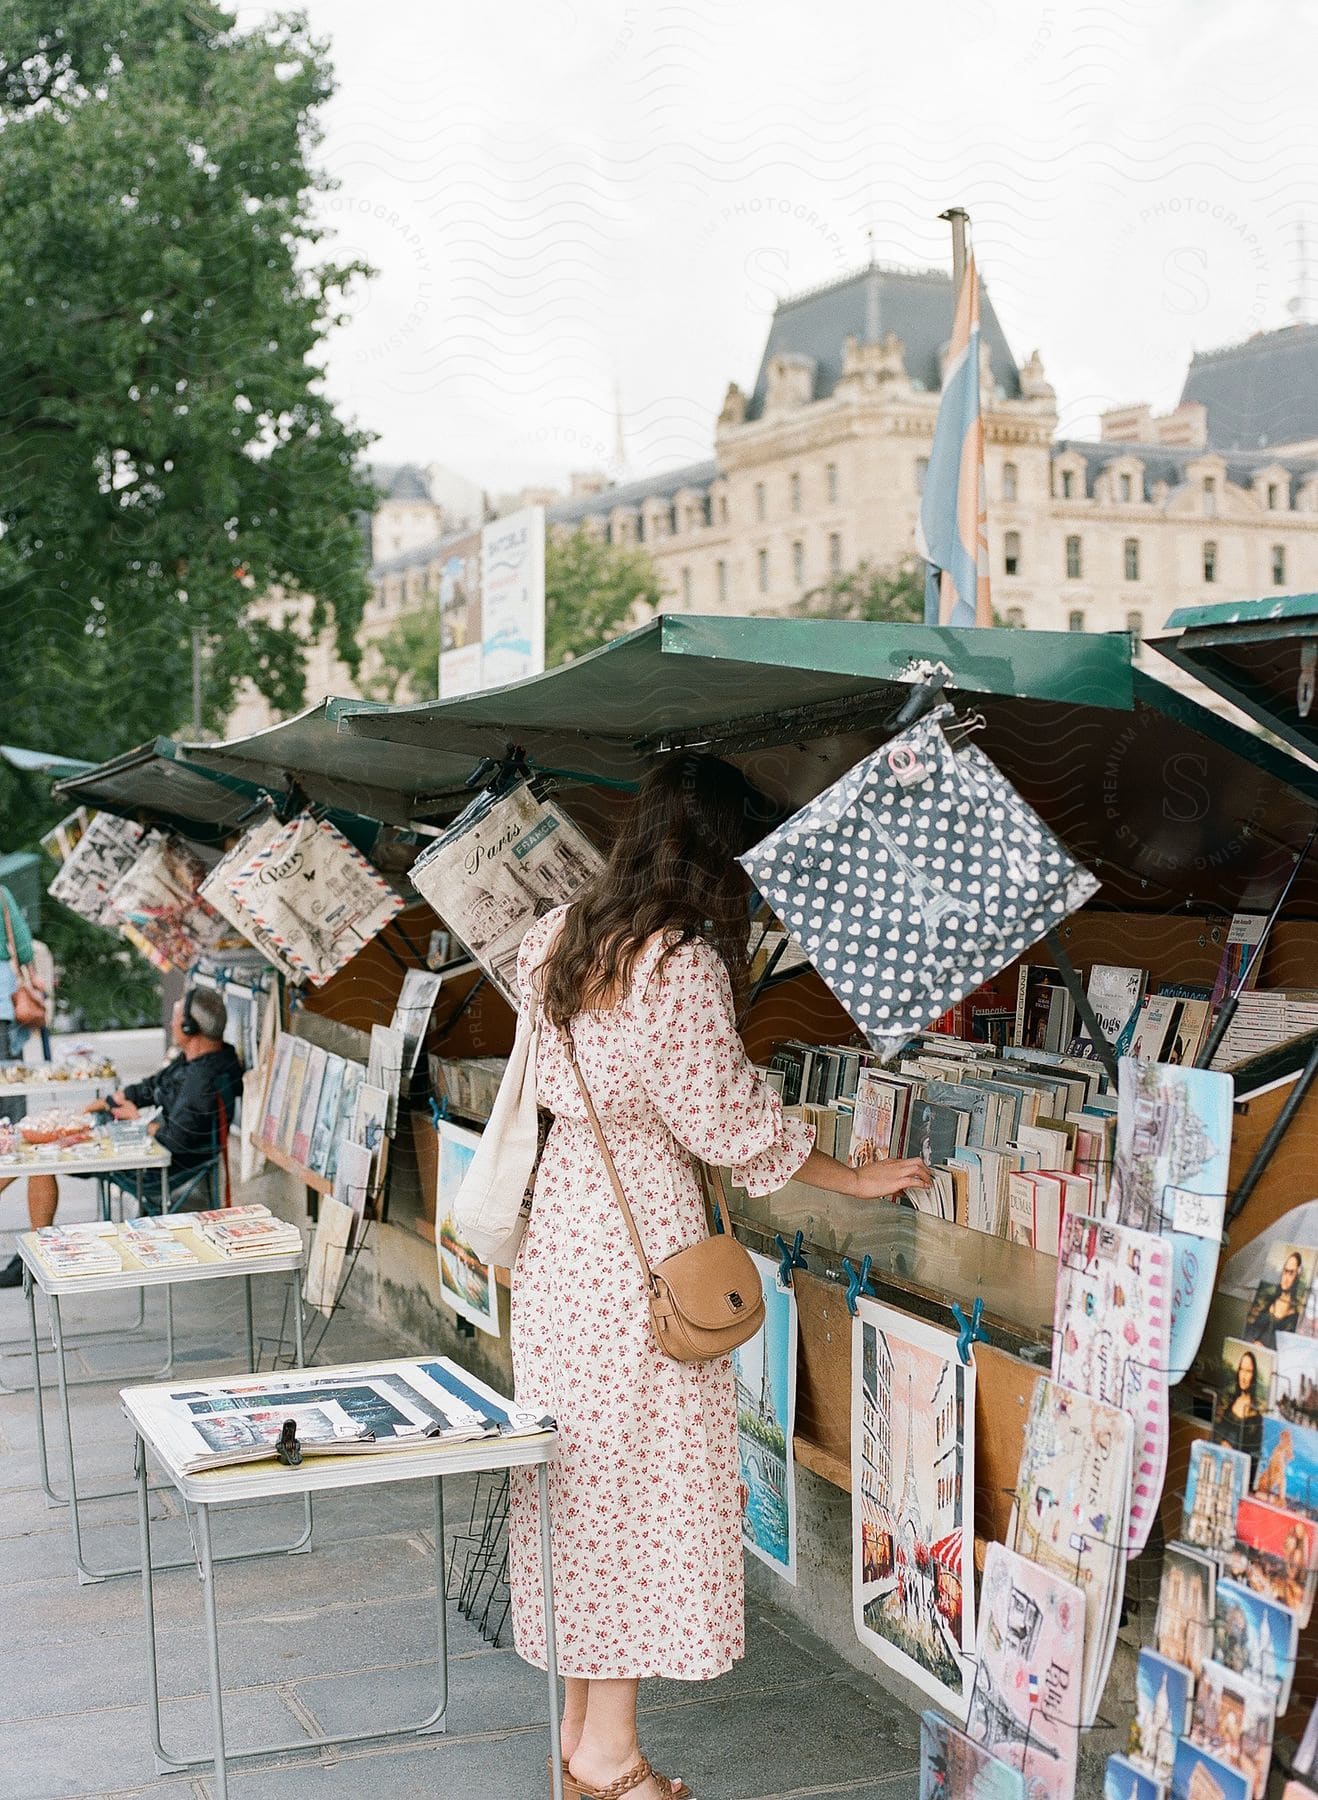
12,1035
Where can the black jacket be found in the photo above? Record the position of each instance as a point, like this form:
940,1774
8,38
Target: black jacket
189,1096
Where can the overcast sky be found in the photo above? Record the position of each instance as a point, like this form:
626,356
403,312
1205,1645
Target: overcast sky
569,200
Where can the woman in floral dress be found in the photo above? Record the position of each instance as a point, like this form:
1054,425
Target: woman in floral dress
644,1505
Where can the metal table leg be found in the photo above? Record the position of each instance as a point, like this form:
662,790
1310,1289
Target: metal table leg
551,1647
207,1568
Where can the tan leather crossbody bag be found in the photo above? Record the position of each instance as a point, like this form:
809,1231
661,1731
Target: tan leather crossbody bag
705,1300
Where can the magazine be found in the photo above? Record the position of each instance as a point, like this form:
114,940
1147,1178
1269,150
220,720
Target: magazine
500,866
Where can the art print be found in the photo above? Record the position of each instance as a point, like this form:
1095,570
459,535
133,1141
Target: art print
157,898
1163,1694
1111,1340
327,1111
370,1125
1123,1781
1279,1302
1276,1554
329,1246
1288,1466
912,1459
1199,1775
1233,1719
1243,1396
352,1182
497,869
1186,1598
466,1282
1216,1482
1255,1636
412,1013
765,1371
317,899
1025,1704
102,855
1070,1512
1170,1176
1295,1379
954,1767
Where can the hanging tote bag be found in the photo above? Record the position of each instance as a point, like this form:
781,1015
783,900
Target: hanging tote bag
29,999
706,1300
493,1205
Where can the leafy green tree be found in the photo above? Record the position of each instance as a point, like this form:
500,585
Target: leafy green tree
167,451
591,590
895,595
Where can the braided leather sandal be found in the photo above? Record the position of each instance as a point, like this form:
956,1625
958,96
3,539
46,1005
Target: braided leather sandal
626,1784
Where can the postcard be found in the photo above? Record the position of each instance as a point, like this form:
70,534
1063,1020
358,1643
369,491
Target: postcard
1257,1637
1295,1382
1164,1691
954,1767
1288,1466
1111,1338
1199,1775
1234,1719
765,1370
1278,1304
1276,1554
912,1461
1215,1484
466,1283
1070,1512
1186,1600
1170,1176
1025,1704
1243,1395
1123,1781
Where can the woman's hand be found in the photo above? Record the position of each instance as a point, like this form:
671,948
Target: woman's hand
878,1180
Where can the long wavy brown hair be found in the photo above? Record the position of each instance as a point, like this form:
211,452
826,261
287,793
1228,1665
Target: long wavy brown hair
671,869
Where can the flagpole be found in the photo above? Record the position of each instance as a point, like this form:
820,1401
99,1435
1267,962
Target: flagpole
958,218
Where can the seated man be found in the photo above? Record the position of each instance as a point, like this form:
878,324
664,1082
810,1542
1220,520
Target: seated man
203,1073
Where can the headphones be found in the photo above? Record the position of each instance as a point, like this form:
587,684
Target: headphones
187,1024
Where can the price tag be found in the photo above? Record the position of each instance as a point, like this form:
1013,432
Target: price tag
1198,1215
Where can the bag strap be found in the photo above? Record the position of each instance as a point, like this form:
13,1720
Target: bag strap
609,1164
13,947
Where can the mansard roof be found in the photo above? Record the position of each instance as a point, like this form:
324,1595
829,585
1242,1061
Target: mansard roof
1167,462
914,304
633,493
1261,392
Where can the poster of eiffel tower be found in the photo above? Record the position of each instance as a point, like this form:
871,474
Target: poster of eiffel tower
913,1460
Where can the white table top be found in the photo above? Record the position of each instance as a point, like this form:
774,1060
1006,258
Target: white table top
45,1159
98,1085
269,1480
212,1265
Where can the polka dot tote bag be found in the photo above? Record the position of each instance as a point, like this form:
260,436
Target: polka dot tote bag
918,875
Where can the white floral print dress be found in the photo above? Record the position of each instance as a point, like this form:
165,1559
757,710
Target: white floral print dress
644,1492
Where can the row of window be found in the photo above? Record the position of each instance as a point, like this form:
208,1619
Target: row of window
1013,564
1067,490
761,492
762,570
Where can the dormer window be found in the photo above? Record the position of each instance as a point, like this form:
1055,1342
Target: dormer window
1125,489
1068,484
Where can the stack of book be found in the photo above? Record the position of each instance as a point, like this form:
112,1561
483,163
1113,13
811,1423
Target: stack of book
90,1249
247,1231
1265,1019
160,1243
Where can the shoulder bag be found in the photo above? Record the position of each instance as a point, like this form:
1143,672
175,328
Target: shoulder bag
705,1300
29,1000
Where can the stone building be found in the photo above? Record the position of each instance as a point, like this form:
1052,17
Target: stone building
821,466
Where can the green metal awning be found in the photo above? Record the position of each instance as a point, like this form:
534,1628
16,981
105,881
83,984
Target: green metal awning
384,780
1170,804
1257,654
42,762
159,784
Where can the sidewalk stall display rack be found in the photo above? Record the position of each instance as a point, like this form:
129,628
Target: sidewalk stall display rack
1186,819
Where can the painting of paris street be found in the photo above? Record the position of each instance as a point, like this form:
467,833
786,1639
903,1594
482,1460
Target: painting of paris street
912,1466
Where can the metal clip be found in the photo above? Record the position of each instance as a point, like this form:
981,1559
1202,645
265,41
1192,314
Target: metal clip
288,1450
790,1258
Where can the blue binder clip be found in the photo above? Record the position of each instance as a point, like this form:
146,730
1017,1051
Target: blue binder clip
438,1110
793,1258
857,1281
968,1331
